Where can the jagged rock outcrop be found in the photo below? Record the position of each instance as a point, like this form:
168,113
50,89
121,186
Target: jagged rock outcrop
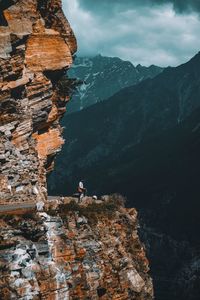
36,48
86,251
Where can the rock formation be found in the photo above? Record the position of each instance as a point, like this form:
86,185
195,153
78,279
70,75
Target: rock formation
87,251
36,48
69,250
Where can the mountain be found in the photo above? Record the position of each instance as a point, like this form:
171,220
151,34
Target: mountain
144,142
132,116
102,77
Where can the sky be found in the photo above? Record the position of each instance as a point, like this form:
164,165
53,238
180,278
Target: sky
160,32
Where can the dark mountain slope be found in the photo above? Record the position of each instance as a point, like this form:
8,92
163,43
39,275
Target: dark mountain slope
160,170
133,115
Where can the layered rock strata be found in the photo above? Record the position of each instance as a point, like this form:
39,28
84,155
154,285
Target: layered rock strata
36,48
86,251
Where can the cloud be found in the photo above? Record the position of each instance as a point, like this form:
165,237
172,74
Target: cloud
146,34
179,5
183,5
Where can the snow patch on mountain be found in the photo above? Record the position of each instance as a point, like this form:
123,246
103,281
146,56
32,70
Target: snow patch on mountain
102,77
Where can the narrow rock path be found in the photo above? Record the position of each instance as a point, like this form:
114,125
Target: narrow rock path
4,208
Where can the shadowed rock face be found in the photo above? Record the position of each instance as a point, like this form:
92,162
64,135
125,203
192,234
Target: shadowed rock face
36,48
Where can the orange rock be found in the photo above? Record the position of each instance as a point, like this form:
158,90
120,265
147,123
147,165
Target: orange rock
48,142
47,52
118,226
21,16
81,252
71,235
53,114
4,182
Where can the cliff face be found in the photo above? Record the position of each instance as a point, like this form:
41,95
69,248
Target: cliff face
36,48
69,251
87,251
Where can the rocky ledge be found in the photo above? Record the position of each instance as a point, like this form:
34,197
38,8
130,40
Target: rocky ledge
74,251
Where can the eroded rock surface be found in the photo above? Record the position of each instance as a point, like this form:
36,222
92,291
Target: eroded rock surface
36,48
86,251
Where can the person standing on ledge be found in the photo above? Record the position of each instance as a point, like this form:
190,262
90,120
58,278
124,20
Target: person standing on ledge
81,190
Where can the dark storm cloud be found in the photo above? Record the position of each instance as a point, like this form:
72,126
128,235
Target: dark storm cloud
162,32
183,5
179,5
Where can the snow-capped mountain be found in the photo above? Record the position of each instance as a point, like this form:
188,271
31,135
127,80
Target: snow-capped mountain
104,76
